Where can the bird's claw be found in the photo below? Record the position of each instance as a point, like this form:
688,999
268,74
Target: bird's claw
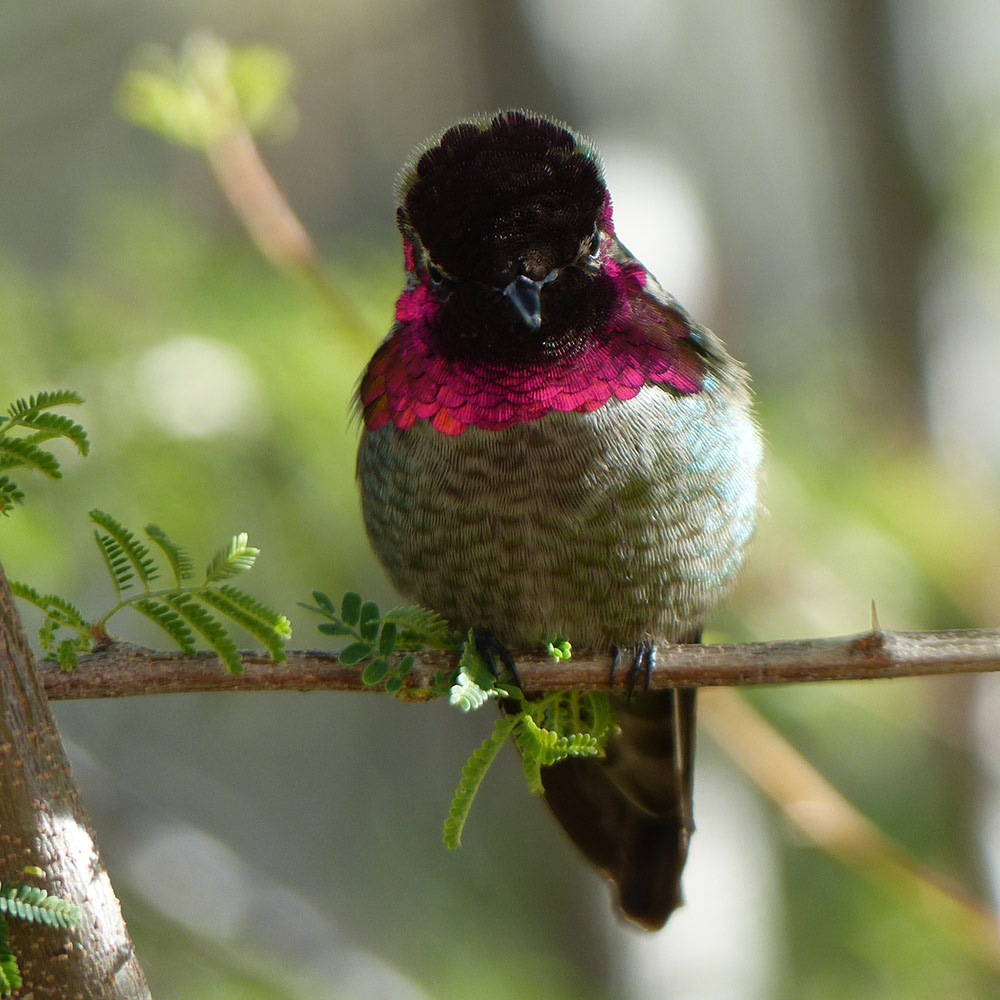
495,654
643,664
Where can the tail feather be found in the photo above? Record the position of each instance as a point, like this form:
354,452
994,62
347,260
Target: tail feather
631,813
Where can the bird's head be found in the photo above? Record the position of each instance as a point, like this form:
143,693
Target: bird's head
519,298
504,220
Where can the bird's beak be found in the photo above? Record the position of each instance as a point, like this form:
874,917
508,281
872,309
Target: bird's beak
525,295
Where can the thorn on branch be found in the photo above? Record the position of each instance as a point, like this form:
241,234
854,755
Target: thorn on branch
876,627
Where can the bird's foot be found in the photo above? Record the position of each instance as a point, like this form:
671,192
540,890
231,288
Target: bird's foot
495,654
643,662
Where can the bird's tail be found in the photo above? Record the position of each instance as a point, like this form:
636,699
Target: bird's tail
630,813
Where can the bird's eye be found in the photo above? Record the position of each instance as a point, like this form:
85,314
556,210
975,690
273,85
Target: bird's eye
434,273
595,243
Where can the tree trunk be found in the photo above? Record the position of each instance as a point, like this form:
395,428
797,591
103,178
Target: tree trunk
42,823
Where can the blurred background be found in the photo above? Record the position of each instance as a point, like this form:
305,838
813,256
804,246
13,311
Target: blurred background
819,183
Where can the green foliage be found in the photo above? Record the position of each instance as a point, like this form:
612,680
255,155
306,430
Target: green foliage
253,616
546,730
472,777
232,559
35,906
377,637
32,905
10,974
184,611
59,614
25,426
474,683
468,696
180,561
557,646
124,555
208,90
420,628
559,725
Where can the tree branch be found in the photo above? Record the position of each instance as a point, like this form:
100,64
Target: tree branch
820,813
44,825
274,228
809,802
120,669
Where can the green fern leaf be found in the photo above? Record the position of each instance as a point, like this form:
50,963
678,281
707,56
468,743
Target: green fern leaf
466,695
59,613
535,741
121,547
26,593
21,451
270,627
180,561
235,558
419,627
64,913
10,494
209,629
47,634
23,410
35,906
258,609
578,745
472,777
64,612
168,620
532,768
596,706
10,975
24,451
474,666
116,561
547,746
53,425
68,653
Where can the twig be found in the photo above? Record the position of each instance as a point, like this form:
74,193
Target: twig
273,226
122,670
826,818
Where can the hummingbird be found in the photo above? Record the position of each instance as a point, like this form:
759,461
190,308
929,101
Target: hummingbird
551,444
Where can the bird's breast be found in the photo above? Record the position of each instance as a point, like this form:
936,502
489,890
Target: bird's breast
608,526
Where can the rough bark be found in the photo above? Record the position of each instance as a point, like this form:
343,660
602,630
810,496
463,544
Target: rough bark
43,823
121,669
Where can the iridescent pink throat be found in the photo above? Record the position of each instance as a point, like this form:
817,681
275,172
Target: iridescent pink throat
408,380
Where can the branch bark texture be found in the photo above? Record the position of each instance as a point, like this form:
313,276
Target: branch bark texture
122,670
43,823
